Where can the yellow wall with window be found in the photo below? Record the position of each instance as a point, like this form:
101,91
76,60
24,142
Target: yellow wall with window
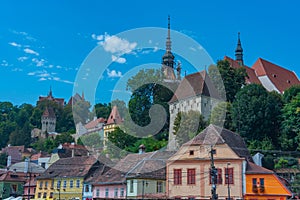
44,189
70,188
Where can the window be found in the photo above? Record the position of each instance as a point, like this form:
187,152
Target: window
97,192
229,175
131,186
261,184
45,195
116,192
106,192
39,195
65,184
41,184
14,188
122,192
71,183
86,188
159,187
52,184
78,183
177,177
219,179
191,176
191,152
51,195
58,183
191,198
254,185
46,184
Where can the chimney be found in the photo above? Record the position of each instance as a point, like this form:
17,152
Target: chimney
142,149
73,152
257,158
26,165
8,161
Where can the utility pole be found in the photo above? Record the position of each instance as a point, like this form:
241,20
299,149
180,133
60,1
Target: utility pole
213,173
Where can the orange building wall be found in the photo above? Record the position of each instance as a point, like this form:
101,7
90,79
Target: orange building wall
273,189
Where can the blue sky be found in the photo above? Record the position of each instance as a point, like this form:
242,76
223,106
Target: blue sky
45,43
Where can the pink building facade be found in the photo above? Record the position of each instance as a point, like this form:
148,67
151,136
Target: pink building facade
112,191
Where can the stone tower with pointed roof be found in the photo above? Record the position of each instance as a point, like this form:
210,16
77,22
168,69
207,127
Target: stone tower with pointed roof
48,120
113,121
168,63
239,52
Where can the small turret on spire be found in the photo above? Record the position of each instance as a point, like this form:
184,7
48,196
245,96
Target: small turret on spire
239,51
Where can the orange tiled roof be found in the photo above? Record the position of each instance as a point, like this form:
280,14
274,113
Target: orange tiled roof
282,78
252,78
114,117
94,123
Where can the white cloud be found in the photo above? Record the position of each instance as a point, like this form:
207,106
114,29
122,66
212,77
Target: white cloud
118,59
30,51
22,58
193,49
44,74
17,70
114,73
14,44
42,79
38,62
4,63
31,73
114,44
58,66
97,37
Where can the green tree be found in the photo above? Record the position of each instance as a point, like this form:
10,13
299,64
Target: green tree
187,125
119,141
3,160
65,123
221,115
102,110
256,114
63,138
290,93
91,140
21,135
291,125
227,79
148,89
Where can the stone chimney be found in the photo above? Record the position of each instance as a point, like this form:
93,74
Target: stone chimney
8,161
142,149
257,158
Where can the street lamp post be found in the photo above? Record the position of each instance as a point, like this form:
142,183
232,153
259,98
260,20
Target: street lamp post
227,175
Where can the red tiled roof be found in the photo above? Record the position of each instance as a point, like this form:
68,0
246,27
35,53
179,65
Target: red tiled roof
252,78
213,134
114,117
193,85
13,176
70,167
255,169
39,155
94,123
282,78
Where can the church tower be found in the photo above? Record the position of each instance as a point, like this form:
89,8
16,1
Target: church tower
48,121
239,52
168,58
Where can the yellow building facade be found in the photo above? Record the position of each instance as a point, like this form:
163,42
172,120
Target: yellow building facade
44,189
67,188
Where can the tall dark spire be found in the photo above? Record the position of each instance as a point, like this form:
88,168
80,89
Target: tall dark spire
239,51
168,42
168,57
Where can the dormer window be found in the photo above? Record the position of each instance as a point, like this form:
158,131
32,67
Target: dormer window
274,75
